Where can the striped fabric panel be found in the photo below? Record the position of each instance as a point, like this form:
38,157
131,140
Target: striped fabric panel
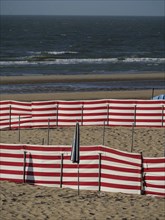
69,113
90,112
44,114
154,176
51,166
4,114
117,171
11,111
120,171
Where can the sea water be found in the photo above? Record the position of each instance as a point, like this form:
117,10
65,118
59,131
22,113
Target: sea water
81,45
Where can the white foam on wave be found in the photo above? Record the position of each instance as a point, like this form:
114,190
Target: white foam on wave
52,52
83,61
13,63
61,52
145,60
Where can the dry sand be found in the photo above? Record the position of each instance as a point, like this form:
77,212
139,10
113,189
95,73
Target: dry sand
22,201
142,94
150,141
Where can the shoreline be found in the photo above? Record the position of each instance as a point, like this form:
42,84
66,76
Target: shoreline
81,95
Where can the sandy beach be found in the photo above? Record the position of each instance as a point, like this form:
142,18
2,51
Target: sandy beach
150,141
23,201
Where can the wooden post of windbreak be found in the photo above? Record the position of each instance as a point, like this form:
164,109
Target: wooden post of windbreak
132,137
142,191
82,112
19,130
162,115
24,166
103,132
135,115
107,114
48,130
99,174
10,117
57,116
61,173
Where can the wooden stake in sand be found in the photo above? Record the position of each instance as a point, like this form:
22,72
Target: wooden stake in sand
162,115
107,115
19,130
48,131
82,109
57,117
142,176
61,174
99,183
24,166
103,132
135,115
10,117
133,125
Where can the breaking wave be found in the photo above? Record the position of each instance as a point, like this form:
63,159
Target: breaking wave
51,60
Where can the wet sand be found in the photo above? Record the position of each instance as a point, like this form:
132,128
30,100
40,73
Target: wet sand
115,94
80,78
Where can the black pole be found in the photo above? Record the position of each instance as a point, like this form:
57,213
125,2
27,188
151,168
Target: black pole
61,174
152,93
78,177
99,183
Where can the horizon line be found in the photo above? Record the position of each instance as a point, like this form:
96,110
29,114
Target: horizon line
83,15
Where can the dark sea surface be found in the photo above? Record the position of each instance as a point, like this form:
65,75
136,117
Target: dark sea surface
82,45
